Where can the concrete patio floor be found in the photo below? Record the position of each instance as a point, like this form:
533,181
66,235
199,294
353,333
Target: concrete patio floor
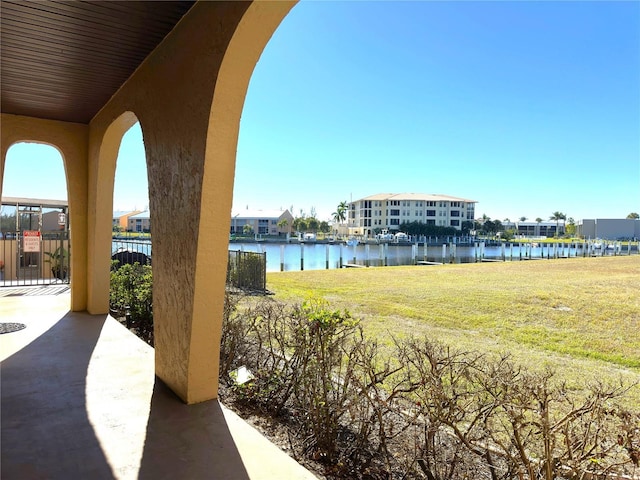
79,400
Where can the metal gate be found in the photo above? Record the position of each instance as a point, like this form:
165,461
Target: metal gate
34,243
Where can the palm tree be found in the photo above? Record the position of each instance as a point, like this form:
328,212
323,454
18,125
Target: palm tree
283,224
340,215
557,216
633,215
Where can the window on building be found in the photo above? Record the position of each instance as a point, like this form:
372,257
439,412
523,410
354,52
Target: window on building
455,223
431,213
395,213
455,213
394,221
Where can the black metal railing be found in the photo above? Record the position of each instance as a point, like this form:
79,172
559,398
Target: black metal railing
247,270
41,259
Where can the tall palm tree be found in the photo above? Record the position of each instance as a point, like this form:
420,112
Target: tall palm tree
557,216
340,215
538,221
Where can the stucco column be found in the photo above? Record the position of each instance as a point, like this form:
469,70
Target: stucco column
191,147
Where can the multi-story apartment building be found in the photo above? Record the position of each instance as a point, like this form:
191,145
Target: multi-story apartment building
121,218
375,213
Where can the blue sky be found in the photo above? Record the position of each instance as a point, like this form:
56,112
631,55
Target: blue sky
525,107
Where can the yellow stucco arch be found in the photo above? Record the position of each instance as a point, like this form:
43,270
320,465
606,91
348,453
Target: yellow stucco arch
101,200
249,40
70,139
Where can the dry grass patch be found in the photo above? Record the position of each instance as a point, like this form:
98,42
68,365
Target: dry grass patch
580,316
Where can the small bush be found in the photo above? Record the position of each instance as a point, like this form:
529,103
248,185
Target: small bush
131,298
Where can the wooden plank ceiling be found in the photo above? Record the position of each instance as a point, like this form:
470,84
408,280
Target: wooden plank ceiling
63,60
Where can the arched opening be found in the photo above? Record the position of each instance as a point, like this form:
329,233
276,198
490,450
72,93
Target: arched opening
34,220
131,239
131,190
102,223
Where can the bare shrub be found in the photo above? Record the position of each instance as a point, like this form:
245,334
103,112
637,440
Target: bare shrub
424,411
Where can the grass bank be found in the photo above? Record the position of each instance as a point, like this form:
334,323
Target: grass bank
579,316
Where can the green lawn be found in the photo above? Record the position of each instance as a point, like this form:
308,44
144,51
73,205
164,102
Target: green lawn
580,316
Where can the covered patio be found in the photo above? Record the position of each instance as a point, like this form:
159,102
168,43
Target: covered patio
81,396
80,400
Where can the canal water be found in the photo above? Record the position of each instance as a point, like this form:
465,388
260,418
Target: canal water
312,256
318,256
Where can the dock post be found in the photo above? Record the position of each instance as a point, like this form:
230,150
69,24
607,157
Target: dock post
327,256
282,258
366,253
301,256
341,262
444,252
413,254
504,256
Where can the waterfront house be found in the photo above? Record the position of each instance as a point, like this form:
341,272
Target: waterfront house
261,222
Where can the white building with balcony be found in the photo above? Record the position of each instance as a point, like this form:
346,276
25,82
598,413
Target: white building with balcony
390,210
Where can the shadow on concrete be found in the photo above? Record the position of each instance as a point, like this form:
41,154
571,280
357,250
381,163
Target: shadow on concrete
188,441
44,425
